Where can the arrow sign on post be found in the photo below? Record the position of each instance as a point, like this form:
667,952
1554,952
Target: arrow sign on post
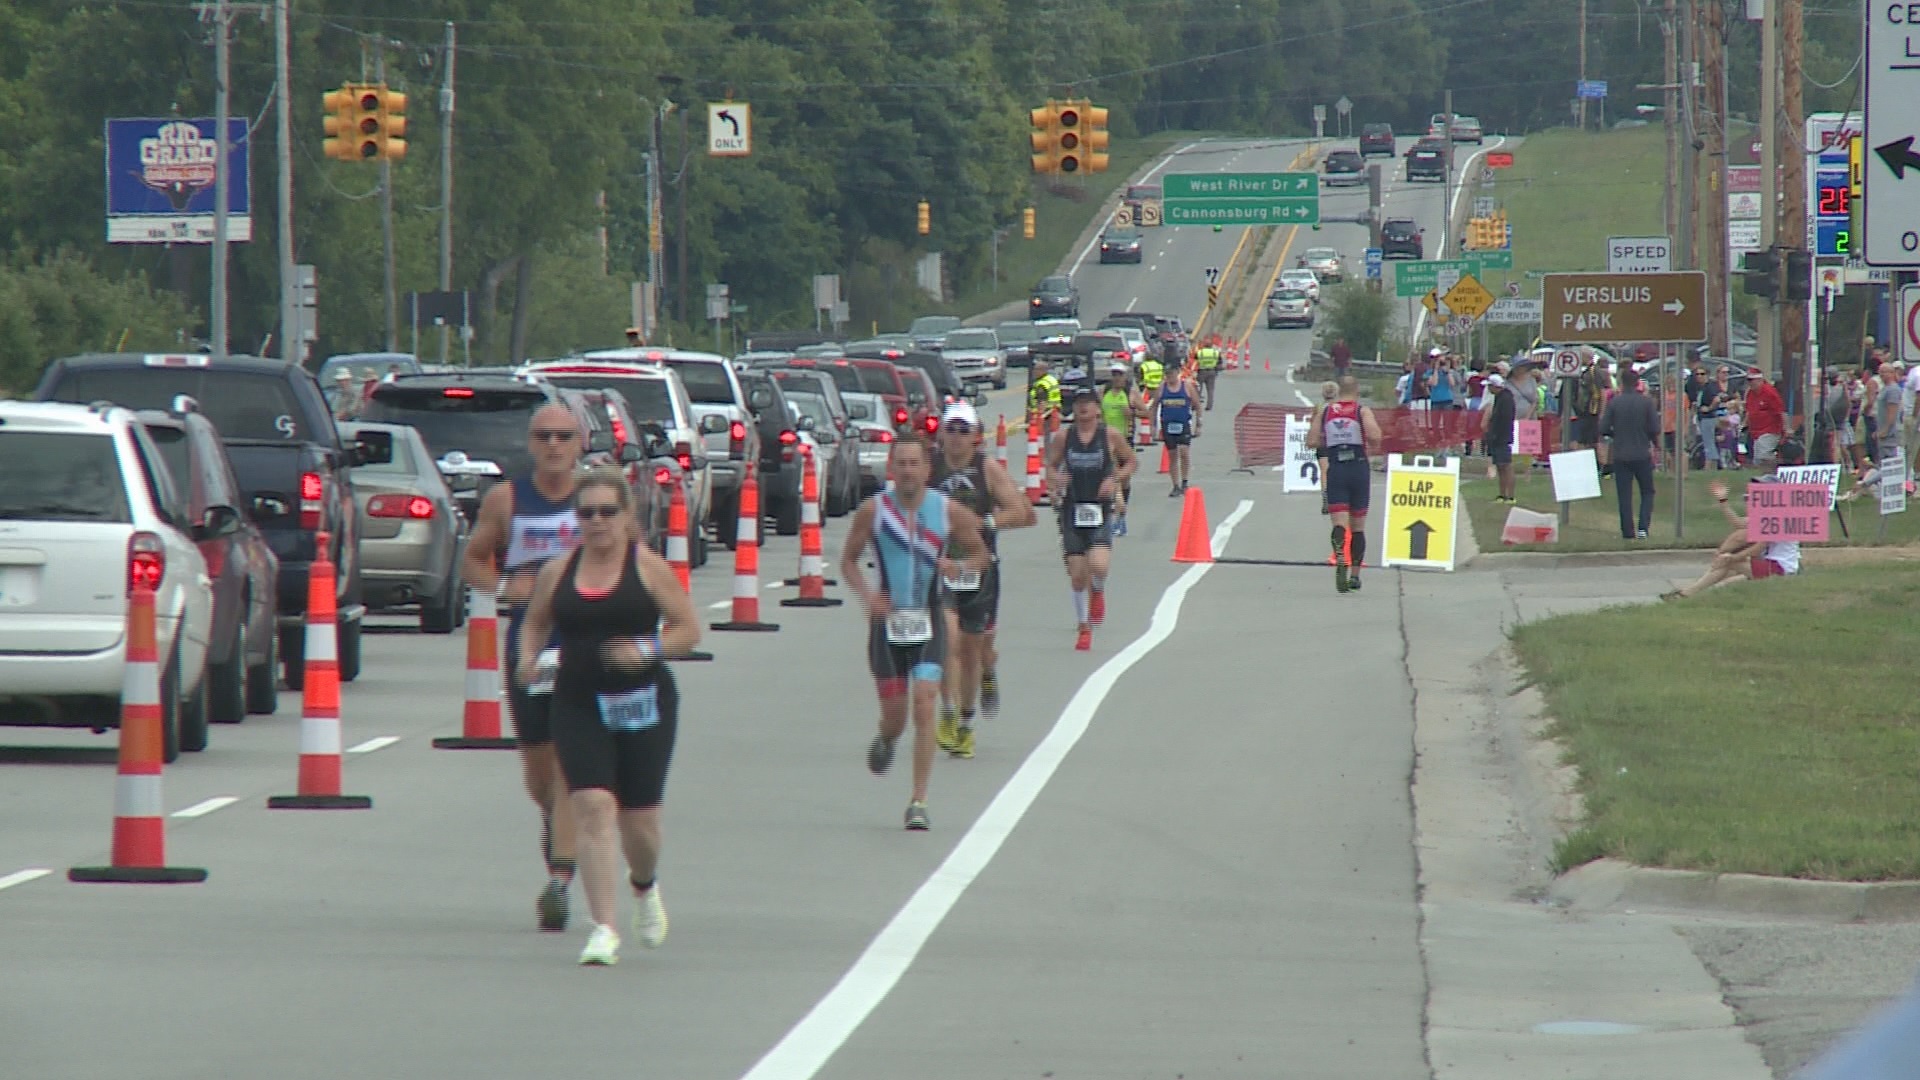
1899,157
729,129
1673,307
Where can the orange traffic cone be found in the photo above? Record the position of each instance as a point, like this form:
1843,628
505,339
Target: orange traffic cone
480,721
812,579
1268,362
1036,484
746,564
1000,442
320,738
139,814
1166,461
1246,354
1196,539
679,548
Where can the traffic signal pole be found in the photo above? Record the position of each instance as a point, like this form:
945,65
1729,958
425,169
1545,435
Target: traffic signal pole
290,330
1767,333
217,314
446,196
386,218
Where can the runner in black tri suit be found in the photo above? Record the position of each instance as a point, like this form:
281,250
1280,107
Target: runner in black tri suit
965,474
1343,435
1088,463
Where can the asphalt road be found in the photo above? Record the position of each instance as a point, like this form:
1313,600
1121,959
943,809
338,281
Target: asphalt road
1187,854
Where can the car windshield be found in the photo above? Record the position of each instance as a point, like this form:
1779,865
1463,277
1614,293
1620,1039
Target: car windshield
1058,285
1322,255
705,380
486,425
799,382
878,380
1376,129
648,399
241,404
844,377
1343,157
1016,333
811,405
971,339
1122,236
60,476
1300,277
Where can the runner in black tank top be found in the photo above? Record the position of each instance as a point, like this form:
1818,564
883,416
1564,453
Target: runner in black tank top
1087,465
617,612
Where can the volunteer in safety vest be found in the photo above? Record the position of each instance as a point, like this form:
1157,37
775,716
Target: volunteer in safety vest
1208,361
1043,393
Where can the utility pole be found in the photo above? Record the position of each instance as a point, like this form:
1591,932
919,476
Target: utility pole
1713,42
386,217
1446,195
1767,333
1795,347
446,194
1670,38
292,343
1689,68
686,167
1583,63
217,313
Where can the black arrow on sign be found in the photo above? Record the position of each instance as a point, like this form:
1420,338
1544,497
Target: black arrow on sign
1417,534
735,123
1899,157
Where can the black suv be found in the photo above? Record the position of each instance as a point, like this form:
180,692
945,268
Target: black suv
1376,139
1344,168
1426,163
1400,238
1054,298
1121,245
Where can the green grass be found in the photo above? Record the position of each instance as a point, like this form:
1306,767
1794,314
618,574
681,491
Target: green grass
1764,728
1594,524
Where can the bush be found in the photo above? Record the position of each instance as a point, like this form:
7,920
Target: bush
64,305
1353,311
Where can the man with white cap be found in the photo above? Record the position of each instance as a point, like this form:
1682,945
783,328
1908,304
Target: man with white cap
964,472
346,396
1496,432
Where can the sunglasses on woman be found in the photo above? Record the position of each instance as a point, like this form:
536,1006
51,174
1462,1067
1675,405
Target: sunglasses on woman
589,511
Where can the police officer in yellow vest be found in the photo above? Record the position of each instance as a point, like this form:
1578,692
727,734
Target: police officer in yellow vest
1207,360
1043,393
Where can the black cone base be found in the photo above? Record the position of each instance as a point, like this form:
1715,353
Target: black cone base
794,583
745,627
696,655
811,601
461,742
320,802
137,875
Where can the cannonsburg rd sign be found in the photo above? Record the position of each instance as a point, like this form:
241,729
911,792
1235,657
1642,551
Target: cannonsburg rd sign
1599,309
1285,198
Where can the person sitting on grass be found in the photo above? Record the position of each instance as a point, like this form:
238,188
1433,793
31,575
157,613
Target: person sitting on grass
1739,557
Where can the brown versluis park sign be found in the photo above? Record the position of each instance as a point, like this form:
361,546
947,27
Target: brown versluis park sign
1598,309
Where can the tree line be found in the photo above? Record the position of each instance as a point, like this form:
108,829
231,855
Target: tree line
861,109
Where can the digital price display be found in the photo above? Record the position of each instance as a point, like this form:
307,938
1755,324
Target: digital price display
1833,211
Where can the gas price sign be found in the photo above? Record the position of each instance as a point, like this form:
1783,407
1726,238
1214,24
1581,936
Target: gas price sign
1833,208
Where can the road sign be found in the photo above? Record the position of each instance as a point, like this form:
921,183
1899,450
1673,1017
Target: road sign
1592,89
1287,198
1302,467
1483,206
1375,264
1412,280
160,181
1909,326
1496,259
1499,159
1319,114
1603,308
1468,297
1343,106
1213,275
1512,311
1890,190
1639,254
1566,363
729,129
1513,288
1446,279
1423,512
1459,324
1123,217
1431,302
1893,484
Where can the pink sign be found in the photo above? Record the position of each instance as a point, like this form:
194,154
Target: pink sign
1528,439
1786,513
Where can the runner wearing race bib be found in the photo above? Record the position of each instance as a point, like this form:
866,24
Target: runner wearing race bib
1179,423
1343,433
1088,466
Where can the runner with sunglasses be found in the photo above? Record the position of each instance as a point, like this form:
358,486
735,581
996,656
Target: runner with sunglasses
618,613
964,473
1088,466
911,530
522,525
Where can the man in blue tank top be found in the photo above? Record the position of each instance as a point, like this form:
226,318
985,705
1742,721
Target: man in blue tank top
907,528
523,523
1179,423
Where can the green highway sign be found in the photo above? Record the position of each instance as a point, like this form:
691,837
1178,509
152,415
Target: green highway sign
1240,211
1414,280
1283,185
1496,259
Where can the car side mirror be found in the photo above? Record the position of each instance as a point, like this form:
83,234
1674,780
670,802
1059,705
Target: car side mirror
859,410
713,424
373,448
631,454
218,521
658,446
805,423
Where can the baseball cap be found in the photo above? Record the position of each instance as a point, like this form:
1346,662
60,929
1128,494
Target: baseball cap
1496,381
1117,366
1085,393
342,374
961,412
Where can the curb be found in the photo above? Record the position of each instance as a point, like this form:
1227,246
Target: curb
1811,556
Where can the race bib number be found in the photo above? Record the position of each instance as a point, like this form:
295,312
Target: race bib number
1175,427
965,581
630,710
913,626
1087,515
545,668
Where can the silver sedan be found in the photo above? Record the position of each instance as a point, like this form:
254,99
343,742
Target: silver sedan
412,532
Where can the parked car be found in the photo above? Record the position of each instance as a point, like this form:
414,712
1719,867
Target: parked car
883,377
780,464
87,511
244,647
837,443
1014,337
928,331
1401,238
974,352
412,531
1304,280
1376,139
925,400
1142,322
868,426
1121,244
1174,341
293,468
1054,296
1325,264
1343,168
1289,306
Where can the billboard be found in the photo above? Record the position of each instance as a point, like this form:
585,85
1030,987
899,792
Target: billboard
160,181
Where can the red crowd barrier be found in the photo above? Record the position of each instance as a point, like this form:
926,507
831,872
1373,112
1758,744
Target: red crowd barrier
1260,431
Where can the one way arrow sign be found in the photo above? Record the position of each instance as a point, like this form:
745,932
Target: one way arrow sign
1889,233
1899,157
729,129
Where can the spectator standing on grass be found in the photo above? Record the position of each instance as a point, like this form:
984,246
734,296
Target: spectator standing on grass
1766,422
1496,431
1523,385
1631,422
1888,414
1342,357
1738,557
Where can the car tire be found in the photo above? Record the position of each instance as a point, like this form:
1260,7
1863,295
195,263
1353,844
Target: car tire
697,552
438,615
725,517
170,709
263,688
293,657
347,646
786,517
192,725
1001,385
227,683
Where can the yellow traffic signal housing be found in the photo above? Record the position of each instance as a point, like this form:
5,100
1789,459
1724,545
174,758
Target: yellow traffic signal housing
1045,160
1094,139
380,122
341,123
1069,133
926,218
1026,223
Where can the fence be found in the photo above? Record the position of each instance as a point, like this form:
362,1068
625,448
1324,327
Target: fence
1260,431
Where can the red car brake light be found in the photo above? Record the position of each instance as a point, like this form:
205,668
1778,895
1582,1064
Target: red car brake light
685,455
313,489
457,391
663,476
146,561
415,507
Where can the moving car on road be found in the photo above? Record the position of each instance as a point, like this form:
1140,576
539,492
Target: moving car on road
975,354
1325,264
1014,337
1304,280
1344,168
1426,163
1121,244
1289,306
1466,129
1376,139
1401,238
928,331
1054,297
412,530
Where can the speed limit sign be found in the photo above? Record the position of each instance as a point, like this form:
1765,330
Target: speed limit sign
1566,363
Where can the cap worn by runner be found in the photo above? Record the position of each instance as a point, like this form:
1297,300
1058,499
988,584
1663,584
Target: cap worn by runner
1117,366
1496,381
961,412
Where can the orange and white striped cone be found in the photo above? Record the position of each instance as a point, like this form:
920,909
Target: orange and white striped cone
1246,354
1000,442
1142,431
480,719
679,547
812,579
321,750
139,812
1036,484
746,564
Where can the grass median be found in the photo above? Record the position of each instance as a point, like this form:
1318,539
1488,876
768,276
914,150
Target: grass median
1763,727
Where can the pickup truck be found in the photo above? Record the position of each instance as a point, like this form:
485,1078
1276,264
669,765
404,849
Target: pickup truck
292,468
727,426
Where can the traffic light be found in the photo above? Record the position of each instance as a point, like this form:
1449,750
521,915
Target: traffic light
1046,158
1799,271
341,123
1026,223
926,218
1758,270
1095,138
366,123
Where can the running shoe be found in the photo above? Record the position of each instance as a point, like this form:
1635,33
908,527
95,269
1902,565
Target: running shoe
552,907
1084,642
603,948
1341,575
880,756
963,742
1353,581
917,817
1097,607
650,918
1173,492
1120,526
946,729
990,692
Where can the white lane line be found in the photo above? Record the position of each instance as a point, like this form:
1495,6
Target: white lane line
378,743
1304,399
1132,302
807,1048
21,877
1148,175
718,604
206,806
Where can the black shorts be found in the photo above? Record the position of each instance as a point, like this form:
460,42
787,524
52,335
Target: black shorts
890,663
1079,541
1500,451
532,715
1182,439
978,610
1586,430
631,764
1208,375
1349,487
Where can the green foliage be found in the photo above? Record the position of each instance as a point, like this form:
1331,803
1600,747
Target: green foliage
1352,311
64,305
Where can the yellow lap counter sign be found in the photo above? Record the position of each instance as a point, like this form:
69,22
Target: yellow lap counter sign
1423,512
